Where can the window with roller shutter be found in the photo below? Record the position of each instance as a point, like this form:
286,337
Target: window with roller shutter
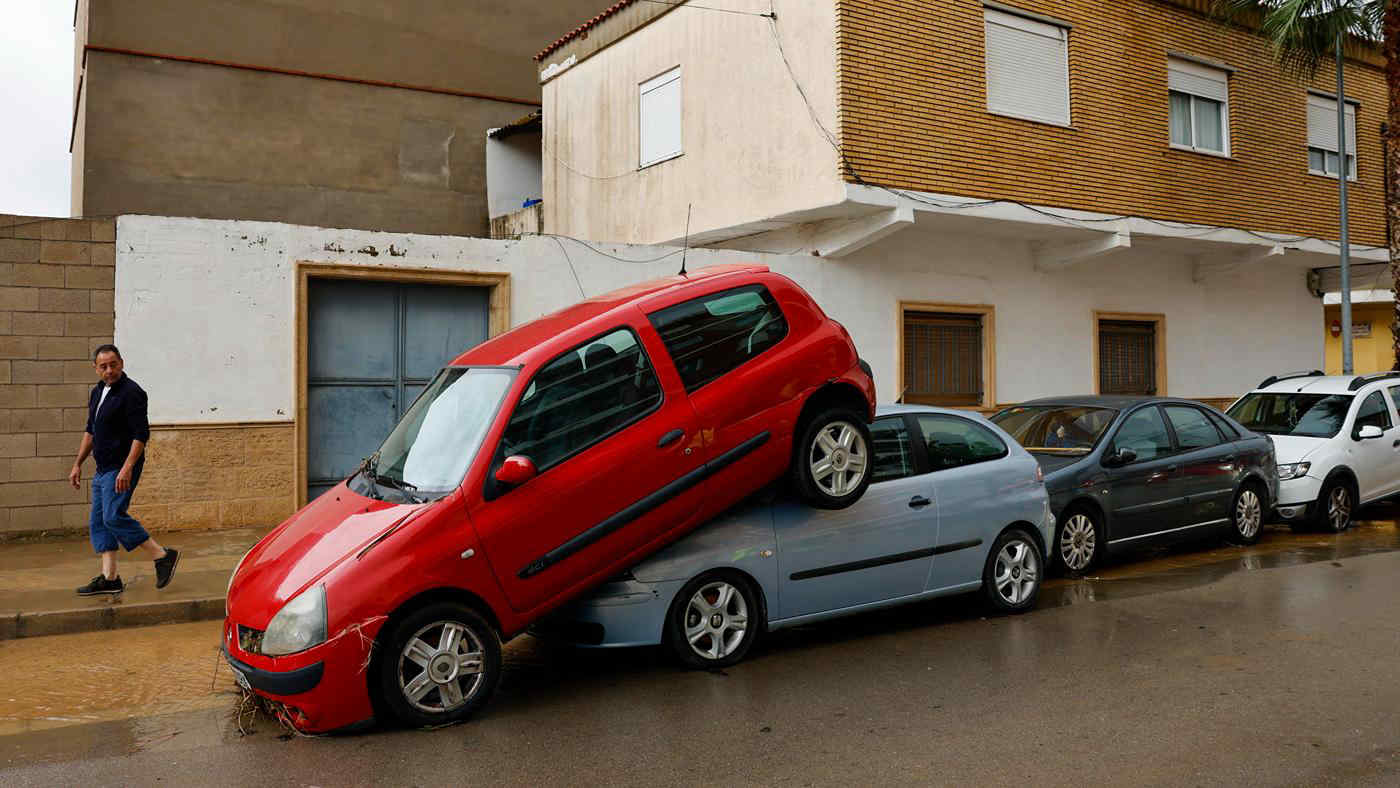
1027,67
944,358
1127,357
1198,99
1323,153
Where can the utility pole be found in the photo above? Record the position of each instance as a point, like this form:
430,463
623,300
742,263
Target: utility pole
1343,172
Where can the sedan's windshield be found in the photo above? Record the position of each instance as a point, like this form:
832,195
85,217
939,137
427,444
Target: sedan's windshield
429,451
1060,429
1307,415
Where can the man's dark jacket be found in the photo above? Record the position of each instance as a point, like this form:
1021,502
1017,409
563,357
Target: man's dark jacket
121,420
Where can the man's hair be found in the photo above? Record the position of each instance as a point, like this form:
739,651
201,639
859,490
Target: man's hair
106,349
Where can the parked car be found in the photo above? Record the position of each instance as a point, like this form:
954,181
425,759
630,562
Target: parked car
534,467
1338,442
955,505
1130,471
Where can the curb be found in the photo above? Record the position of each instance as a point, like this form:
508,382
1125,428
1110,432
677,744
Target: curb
115,616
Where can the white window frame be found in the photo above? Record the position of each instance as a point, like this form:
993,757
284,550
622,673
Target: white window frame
1204,72
671,76
1008,16
1355,107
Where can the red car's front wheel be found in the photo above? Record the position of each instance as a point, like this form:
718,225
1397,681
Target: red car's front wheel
440,664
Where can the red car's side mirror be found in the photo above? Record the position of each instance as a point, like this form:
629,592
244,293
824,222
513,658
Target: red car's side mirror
516,470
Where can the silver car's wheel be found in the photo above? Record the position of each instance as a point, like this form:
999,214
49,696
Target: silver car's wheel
716,619
1017,572
1338,504
1012,576
1078,542
839,459
441,667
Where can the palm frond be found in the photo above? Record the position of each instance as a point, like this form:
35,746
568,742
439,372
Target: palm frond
1303,33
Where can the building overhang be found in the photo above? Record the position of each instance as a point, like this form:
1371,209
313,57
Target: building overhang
1059,239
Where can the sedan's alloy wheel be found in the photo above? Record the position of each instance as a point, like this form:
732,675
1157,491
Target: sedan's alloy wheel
1248,514
716,619
1017,571
1078,542
1339,508
839,459
440,668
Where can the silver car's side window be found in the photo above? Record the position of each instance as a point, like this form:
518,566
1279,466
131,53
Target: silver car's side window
894,458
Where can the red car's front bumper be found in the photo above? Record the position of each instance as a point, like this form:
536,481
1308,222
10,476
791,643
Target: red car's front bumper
324,688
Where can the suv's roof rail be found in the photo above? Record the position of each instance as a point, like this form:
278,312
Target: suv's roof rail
1272,379
1361,380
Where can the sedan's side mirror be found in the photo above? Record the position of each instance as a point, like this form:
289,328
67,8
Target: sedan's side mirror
1369,432
1121,457
516,470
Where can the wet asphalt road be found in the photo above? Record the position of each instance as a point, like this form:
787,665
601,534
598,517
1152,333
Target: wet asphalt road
1278,664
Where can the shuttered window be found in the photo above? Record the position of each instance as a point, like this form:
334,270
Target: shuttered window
659,116
1027,68
1322,136
943,358
1198,99
1127,357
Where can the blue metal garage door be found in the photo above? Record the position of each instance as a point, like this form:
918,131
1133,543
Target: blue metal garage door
372,347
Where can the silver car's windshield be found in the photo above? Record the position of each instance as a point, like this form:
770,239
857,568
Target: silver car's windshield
433,445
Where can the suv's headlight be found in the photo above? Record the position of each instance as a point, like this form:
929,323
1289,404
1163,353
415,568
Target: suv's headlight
299,625
1293,471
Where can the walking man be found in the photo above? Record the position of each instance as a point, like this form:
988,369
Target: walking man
116,436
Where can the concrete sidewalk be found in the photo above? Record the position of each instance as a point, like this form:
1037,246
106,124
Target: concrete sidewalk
37,582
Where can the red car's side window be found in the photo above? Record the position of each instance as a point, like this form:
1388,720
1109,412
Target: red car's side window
581,397
711,335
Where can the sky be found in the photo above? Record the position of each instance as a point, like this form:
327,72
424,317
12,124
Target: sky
36,104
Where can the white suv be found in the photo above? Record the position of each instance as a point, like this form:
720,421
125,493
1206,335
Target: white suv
1337,439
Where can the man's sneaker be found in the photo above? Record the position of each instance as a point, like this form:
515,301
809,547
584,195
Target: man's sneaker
165,567
101,585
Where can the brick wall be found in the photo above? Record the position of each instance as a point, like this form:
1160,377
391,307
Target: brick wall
56,284
56,293
913,115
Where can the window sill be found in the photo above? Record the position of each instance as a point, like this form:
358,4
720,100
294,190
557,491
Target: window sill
661,160
1329,176
1031,119
1203,152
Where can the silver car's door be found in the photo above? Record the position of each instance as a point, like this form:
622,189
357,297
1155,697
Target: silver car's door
879,548
971,487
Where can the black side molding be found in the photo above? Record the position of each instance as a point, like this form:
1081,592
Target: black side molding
870,563
643,506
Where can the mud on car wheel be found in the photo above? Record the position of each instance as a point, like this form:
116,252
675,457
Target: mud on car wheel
439,664
832,461
714,620
1011,579
1247,515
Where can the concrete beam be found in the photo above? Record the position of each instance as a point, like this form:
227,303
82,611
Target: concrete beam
1205,268
838,238
1051,258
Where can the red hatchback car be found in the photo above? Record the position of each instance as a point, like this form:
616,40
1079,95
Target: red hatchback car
534,467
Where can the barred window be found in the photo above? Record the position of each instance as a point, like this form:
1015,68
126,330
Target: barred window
943,358
1127,357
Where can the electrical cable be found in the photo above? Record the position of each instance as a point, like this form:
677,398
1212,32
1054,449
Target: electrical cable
572,270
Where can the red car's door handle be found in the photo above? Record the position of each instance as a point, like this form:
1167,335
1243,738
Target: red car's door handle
670,438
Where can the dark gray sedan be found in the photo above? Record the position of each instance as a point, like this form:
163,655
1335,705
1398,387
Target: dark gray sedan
1130,471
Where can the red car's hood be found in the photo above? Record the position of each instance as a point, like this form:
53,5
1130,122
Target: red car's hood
331,529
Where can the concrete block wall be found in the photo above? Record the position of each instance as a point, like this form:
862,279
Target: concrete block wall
56,285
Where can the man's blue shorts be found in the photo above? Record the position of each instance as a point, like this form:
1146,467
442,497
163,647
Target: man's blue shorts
110,525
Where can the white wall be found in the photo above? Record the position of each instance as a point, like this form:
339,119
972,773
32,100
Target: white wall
512,172
750,147
206,309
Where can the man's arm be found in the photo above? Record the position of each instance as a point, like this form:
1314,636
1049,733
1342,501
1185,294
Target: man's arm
84,449
124,475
